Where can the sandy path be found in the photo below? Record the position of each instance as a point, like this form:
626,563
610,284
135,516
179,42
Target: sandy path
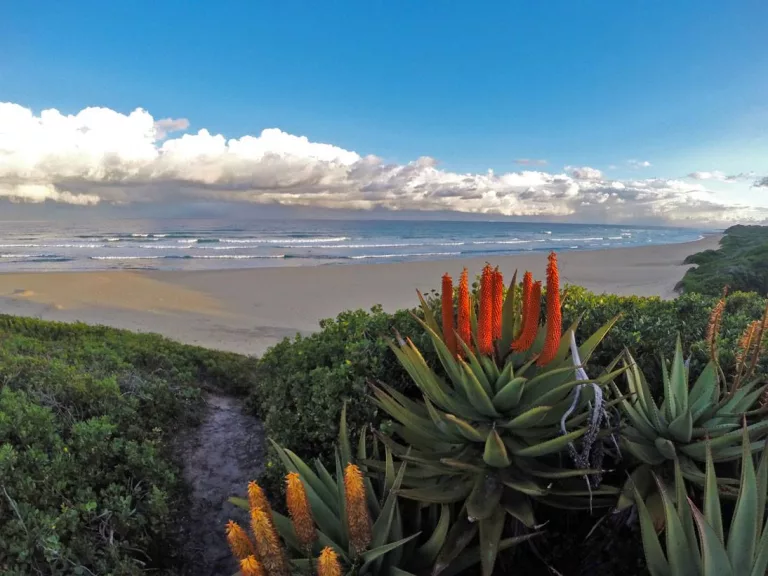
249,310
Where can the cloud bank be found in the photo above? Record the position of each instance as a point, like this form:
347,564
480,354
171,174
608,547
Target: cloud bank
102,156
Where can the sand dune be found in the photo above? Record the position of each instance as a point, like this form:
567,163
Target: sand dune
251,309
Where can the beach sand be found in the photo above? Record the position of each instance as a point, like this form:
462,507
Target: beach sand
248,310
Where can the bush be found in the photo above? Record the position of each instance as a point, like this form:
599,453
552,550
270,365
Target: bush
740,263
87,481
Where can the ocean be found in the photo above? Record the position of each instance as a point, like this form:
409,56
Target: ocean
207,244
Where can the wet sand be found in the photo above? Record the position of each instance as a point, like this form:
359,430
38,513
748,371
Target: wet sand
249,310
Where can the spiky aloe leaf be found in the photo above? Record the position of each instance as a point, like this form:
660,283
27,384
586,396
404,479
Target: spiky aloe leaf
490,536
550,446
485,497
679,381
645,452
712,510
427,552
471,433
476,393
640,481
743,532
509,395
454,490
705,387
527,419
682,427
654,555
686,516
714,558
518,505
472,556
495,453
459,536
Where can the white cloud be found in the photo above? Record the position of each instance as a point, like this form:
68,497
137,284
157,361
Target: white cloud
639,163
719,176
761,182
584,172
99,155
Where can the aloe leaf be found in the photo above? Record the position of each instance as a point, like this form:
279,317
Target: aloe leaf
704,388
678,379
477,369
682,427
443,493
550,446
429,315
467,430
484,498
476,393
427,552
495,453
636,417
295,464
742,535
459,536
518,505
762,485
528,418
370,555
760,565
712,510
655,560
714,558
686,517
640,481
490,535
383,524
646,453
509,396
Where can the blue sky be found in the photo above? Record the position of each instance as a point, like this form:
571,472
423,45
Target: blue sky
681,85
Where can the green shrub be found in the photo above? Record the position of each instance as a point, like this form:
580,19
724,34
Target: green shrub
739,263
87,482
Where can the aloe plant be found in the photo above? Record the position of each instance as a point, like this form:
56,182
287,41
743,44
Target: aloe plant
403,538
685,424
517,417
742,550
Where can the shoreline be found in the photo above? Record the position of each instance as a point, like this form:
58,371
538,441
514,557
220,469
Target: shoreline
248,310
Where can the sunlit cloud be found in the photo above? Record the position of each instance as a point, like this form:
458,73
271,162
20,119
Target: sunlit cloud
102,156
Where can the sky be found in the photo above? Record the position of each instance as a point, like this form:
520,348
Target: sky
639,110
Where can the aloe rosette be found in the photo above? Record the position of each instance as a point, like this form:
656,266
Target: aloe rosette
516,417
696,541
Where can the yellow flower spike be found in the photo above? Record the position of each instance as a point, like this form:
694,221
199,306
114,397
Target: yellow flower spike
238,541
328,563
300,510
257,498
249,566
358,518
267,543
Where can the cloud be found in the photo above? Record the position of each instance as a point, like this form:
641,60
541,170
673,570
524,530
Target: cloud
166,126
530,161
719,176
639,163
584,173
761,182
102,156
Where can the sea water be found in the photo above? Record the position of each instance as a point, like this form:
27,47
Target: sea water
207,244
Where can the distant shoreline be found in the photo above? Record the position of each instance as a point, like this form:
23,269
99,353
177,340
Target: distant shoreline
248,310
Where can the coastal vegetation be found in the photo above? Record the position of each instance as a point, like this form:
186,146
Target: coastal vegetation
741,263
498,427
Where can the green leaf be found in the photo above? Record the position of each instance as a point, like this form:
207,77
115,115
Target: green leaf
370,555
682,427
704,388
518,505
429,315
686,517
762,485
295,464
550,446
714,558
476,393
654,556
467,430
678,380
743,533
527,419
646,453
509,396
455,490
459,536
427,553
472,556
484,498
490,536
712,499
639,481
495,453
477,370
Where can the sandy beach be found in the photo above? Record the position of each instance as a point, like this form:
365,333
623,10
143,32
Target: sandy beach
248,310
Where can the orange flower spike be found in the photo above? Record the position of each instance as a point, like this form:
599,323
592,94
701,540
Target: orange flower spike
267,543
485,319
530,321
257,499
238,541
498,303
554,314
449,331
358,517
464,316
328,563
249,566
299,510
